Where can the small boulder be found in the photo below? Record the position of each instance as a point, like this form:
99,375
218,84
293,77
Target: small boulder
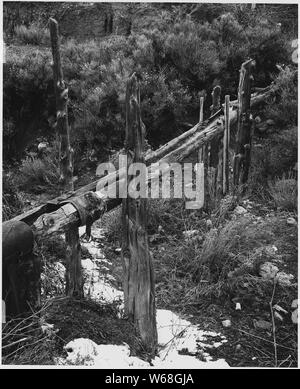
268,271
270,122
291,221
226,323
240,210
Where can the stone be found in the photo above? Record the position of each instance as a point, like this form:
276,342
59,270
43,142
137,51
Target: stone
284,279
294,316
238,306
209,223
262,324
291,221
190,233
240,210
226,323
268,271
294,303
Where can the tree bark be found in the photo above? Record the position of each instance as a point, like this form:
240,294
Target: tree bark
62,125
139,287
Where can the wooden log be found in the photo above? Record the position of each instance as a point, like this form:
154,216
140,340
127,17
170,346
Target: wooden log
92,205
74,280
139,287
62,125
243,138
226,139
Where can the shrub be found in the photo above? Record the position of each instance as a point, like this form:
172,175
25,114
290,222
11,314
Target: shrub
284,194
285,109
32,35
37,173
12,203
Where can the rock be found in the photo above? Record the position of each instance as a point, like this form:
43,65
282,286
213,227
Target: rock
291,221
118,250
268,271
295,303
270,122
240,210
238,306
294,316
284,279
238,347
209,223
262,324
190,233
226,323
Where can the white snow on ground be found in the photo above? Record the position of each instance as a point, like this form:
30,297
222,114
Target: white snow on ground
175,334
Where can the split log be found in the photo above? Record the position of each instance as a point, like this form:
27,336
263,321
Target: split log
62,125
139,287
243,139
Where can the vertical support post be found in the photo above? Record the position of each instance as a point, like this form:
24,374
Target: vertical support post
243,140
226,140
201,109
61,96
74,281
216,99
214,155
139,288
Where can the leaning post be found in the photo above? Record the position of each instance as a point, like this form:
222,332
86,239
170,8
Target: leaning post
226,140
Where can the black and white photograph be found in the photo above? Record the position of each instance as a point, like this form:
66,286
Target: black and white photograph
149,187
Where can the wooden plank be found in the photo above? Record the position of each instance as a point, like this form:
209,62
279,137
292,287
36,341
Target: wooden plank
139,287
201,109
62,124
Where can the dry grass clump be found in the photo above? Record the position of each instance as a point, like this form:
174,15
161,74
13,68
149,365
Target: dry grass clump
284,194
32,35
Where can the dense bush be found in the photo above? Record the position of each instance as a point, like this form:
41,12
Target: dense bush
175,56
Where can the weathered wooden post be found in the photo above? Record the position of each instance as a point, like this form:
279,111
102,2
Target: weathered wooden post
243,140
215,147
226,140
74,285
62,125
201,109
139,287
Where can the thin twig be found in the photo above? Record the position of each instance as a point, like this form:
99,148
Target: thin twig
266,340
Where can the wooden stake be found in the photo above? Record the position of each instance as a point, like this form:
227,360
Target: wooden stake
243,141
216,99
74,281
226,140
201,109
61,95
139,288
